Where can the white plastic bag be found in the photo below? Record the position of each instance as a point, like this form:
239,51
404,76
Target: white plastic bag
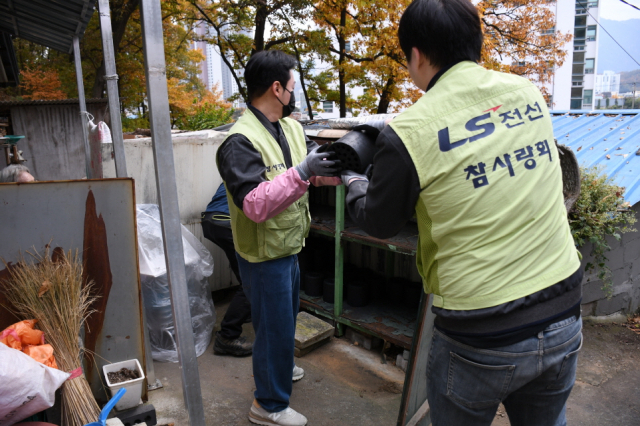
26,386
155,286
99,132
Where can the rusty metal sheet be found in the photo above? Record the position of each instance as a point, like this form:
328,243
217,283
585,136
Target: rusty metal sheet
96,217
405,242
394,324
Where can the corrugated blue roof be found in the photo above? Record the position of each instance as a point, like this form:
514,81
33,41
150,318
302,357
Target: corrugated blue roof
609,138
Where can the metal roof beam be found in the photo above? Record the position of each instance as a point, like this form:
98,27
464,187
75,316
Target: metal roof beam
50,23
13,18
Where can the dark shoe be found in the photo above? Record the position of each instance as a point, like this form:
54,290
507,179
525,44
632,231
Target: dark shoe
234,347
248,320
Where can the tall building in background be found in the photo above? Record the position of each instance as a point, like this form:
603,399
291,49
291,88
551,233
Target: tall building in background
601,65
573,83
585,54
608,81
210,71
213,70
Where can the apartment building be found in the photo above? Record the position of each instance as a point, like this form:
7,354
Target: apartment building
573,83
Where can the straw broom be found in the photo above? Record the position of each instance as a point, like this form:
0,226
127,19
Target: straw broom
52,292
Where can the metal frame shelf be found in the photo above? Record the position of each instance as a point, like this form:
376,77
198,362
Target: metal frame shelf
390,323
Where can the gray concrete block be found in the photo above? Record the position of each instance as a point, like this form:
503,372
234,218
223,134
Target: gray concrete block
401,362
114,422
615,259
588,309
628,237
632,251
585,250
406,354
298,352
363,340
310,330
620,277
592,291
613,243
635,269
617,303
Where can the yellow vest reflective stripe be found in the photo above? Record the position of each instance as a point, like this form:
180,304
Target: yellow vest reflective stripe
490,214
284,234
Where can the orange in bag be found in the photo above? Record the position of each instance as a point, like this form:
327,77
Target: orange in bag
42,354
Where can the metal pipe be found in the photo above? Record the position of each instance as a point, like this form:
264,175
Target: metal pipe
112,87
153,382
83,107
158,99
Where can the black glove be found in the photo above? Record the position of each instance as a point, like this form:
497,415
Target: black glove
318,162
349,176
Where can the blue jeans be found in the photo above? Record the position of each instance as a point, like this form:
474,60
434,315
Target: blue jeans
273,289
532,378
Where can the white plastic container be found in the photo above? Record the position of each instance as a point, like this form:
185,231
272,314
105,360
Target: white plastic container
133,396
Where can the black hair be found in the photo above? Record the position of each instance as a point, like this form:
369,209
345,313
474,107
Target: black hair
445,31
264,68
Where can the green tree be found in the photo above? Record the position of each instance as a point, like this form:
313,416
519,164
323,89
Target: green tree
238,29
186,91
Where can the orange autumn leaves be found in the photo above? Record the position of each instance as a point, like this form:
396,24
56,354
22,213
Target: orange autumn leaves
41,84
519,38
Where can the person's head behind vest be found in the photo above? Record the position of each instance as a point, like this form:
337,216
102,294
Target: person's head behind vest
436,33
16,173
270,83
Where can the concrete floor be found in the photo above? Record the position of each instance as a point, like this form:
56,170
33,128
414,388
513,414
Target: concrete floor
348,385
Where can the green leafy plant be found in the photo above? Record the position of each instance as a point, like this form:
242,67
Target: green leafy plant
600,211
131,124
208,116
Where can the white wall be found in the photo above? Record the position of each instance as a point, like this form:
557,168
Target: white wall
197,179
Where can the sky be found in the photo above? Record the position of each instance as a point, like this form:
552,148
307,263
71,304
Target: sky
623,23
615,10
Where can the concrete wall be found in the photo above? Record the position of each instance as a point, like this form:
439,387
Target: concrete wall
624,262
197,180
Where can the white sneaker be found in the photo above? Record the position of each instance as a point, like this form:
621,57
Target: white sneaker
298,373
286,417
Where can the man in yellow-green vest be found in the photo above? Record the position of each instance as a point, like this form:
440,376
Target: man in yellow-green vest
474,161
267,163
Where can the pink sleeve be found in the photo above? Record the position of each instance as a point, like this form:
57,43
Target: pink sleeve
272,198
325,181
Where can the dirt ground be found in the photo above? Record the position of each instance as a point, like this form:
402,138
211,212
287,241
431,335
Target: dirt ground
347,385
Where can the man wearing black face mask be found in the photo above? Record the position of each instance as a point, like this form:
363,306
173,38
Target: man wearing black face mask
267,163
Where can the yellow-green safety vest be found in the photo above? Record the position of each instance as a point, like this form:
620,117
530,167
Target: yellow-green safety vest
284,234
491,217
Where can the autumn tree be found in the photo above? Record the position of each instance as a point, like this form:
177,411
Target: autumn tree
121,11
520,38
187,92
199,113
239,28
383,74
41,85
373,59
